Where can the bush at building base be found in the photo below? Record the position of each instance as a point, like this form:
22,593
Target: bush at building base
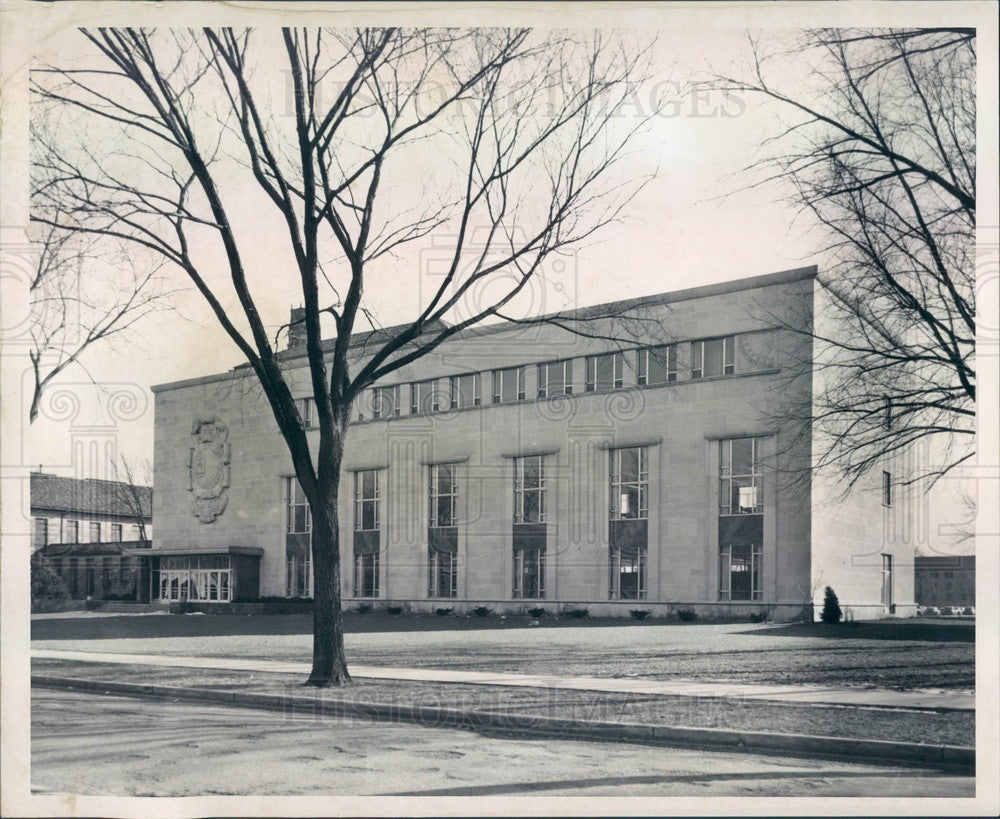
46,584
831,607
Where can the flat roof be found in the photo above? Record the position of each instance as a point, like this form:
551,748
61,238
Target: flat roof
255,551
702,291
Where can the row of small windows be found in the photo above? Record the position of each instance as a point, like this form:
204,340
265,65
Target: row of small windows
654,366
628,481
46,531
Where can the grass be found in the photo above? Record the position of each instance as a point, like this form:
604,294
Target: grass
957,728
891,654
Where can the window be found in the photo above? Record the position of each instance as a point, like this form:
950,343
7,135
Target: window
628,574
739,572
739,477
95,532
444,495
424,397
887,489
366,575
529,573
385,401
529,489
887,414
508,385
466,391
887,580
298,541
204,577
657,365
41,532
116,533
604,372
366,500
307,411
72,532
629,483
443,574
555,378
713,358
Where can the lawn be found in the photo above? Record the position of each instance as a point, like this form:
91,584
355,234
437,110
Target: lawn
885,654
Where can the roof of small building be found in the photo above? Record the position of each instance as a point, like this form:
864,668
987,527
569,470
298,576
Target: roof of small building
89,496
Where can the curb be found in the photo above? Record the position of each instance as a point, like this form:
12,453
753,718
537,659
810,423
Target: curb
958,759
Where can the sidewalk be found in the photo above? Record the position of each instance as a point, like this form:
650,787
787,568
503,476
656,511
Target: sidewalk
798,694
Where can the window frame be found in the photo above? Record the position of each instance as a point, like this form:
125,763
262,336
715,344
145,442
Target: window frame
617,372
360,499
456,392
615,564
522,570
307,411
435,572
756,569
116,533
95,531
415,398
543,369
616,483
377,393
670,368
727,476
521,489
728,356
498,379
360,559
886,489
436,495
75,524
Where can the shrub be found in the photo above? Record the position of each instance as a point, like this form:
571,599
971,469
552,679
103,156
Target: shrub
968,610
46,584
482,611
831,607
363,608
760,616
537,612
577,613
394,610
687,615
639,614
444,612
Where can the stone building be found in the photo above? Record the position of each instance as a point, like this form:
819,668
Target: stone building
528,466
85,527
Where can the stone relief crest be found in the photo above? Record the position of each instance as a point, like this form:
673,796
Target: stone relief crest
208,468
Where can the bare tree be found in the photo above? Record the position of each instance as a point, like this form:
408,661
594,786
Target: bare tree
530,161
74,311
135,493
881,153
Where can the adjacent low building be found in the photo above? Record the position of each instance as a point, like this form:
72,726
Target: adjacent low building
945,580
518,467
84,527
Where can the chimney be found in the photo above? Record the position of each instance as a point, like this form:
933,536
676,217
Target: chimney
297,328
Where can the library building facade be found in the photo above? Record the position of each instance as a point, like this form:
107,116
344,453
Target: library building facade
528,466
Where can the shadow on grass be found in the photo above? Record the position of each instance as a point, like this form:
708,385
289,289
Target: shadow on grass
938,632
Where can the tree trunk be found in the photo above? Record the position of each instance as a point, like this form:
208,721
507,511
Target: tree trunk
329,666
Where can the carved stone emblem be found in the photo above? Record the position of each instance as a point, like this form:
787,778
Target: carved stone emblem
208,468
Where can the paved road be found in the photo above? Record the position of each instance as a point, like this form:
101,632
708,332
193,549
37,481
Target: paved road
94,744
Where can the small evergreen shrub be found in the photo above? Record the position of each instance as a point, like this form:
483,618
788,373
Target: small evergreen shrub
363,608
537,612
760,616
577,613
831,607
444,612
687,615
394,610
482,611
639,614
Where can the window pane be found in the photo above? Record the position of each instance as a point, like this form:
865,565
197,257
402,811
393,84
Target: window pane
713,358
743,461
657,366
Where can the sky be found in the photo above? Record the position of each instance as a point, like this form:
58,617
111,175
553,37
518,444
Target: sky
699,221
